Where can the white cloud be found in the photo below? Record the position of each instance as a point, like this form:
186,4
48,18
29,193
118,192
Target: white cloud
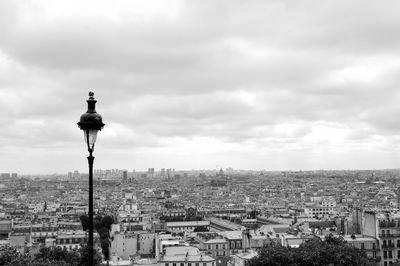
192,84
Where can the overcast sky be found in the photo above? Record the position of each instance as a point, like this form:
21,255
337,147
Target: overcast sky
275,85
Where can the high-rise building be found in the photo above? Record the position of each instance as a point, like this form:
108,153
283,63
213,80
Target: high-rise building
150,172
76,175
125,176
5,175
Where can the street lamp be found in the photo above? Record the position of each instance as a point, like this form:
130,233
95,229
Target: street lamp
90,123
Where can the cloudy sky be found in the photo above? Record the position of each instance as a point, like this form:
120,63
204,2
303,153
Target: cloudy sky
273,85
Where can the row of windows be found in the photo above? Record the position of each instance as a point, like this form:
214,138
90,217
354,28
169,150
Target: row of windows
190,264
389,243
386,263
314,213
389,254
35,234
388,233
183,228
238,244
35,229
70,241
216,246
71,247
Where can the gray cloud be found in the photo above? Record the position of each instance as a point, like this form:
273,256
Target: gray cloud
244,75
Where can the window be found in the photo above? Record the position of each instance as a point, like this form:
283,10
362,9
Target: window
209,246
362,246
197,264
216,246
385,254
189,264
182,264
390,254
173,264
166,264
204,264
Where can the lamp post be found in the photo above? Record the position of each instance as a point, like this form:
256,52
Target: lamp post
90,123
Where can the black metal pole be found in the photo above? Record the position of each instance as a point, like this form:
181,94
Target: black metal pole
90,242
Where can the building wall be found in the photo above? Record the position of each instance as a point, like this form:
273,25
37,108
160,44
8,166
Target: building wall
147,243
369,224
319,211
124,245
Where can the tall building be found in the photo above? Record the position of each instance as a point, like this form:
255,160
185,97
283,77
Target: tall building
124,176
5,175
76,175
150,172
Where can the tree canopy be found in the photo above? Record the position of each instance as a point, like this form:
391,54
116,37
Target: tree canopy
333,252
102,224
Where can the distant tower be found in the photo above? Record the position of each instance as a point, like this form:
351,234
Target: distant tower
221,172
150,172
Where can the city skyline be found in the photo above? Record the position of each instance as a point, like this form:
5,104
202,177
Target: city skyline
200,84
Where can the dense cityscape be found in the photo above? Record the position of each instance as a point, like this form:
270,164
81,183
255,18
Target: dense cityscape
203,217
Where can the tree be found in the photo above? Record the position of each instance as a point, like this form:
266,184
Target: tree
274,255
84,221
84,255
107,221
57,254
46,257
332,251
8,256
97,222
102,224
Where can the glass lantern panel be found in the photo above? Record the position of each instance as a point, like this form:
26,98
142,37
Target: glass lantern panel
91,135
